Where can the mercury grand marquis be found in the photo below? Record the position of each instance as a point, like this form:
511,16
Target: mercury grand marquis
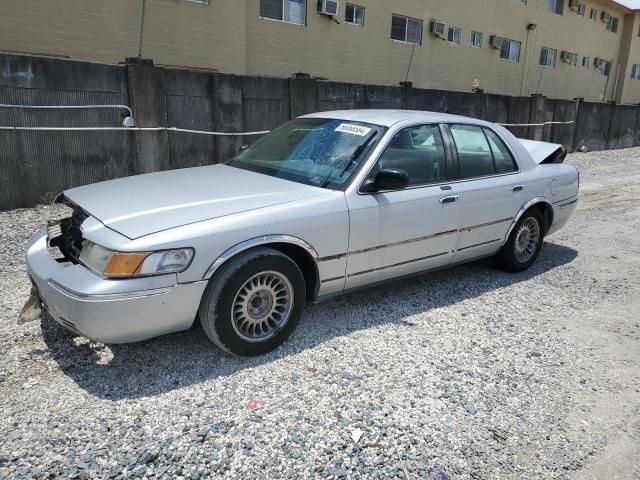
325,204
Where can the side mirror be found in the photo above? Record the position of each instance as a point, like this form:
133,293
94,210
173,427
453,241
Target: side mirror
244,147
387,179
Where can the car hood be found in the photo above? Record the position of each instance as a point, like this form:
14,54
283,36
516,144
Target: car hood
144,204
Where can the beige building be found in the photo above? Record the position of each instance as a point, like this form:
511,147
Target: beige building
558,48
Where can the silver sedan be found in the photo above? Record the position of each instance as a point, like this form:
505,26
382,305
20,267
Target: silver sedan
324,204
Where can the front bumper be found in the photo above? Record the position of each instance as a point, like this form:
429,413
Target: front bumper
106,310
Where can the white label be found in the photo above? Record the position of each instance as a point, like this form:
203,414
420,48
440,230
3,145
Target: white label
353,129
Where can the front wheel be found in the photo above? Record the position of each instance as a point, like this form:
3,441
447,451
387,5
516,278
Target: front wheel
254,303
524,243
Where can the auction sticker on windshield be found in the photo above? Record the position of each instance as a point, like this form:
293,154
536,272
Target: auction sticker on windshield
353,129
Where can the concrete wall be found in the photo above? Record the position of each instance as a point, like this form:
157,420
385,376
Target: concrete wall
230,37
36,165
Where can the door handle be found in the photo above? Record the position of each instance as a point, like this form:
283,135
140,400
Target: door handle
451,199
517,188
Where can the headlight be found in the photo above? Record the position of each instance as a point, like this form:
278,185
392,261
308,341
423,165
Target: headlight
94,256
139,264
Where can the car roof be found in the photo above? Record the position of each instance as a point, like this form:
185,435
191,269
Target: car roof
387,118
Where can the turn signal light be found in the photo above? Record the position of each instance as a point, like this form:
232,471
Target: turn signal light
124,264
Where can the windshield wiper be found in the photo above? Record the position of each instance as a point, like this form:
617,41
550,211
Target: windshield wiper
359,149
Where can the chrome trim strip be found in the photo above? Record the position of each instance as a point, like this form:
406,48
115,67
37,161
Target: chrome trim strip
488,224
479,244
403,242
566,204
397,264
413,240
254,242
572,197
333,279
333,257
107,297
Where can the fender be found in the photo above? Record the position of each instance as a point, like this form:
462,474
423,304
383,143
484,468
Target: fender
523,209
254,242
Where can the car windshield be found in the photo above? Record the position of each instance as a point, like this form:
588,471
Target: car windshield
316,151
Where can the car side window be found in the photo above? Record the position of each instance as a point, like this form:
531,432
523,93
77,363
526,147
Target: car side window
501,154
474,153
419,151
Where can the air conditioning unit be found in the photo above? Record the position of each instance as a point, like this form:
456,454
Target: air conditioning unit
605,17
328,7
598,63
496,41
574,5
436,27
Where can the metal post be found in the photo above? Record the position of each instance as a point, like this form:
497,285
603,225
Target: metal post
615,84
406,78
606,84
144,4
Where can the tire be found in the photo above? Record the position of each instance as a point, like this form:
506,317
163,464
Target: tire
524,244
254,303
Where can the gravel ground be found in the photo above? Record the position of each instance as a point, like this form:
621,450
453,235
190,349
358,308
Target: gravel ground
467,373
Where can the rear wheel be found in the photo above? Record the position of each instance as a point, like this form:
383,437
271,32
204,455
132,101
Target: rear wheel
524,243
254,303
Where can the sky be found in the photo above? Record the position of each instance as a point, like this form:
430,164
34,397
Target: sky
630,3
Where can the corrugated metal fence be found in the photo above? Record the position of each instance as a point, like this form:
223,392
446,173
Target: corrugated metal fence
173,107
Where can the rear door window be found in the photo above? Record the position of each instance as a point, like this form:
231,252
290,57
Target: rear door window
474,153
501,154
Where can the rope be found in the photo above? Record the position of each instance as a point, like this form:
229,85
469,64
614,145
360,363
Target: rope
133,129
66,107
535,124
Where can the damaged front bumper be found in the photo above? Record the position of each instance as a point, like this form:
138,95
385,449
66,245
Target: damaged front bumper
107,310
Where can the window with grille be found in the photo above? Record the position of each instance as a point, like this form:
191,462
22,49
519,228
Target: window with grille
454,35
510,50
354,15
290,11
548,57
406,29
476,40
556,6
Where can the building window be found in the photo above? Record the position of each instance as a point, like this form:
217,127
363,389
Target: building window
354,15
569,57
581,9
606,69
476,40
454,35
548,57
586,61
290,11
593,15
556,6
406,29
510,50
635,72
524,2
612,25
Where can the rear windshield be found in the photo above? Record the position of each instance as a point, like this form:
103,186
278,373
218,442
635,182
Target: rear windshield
315,151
